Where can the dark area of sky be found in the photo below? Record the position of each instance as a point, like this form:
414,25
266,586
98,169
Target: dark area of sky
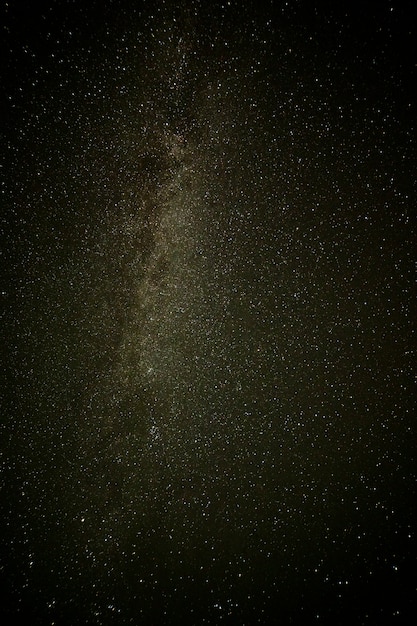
208,303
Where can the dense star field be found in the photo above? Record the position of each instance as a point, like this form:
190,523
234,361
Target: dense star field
208,313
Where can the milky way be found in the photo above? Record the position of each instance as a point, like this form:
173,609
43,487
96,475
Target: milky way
208,248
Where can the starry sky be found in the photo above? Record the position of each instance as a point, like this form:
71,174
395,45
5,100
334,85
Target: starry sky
208,214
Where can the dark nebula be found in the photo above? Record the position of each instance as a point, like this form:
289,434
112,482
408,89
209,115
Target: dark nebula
208,286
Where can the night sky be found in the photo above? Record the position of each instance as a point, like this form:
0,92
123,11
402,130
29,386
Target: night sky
208,301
